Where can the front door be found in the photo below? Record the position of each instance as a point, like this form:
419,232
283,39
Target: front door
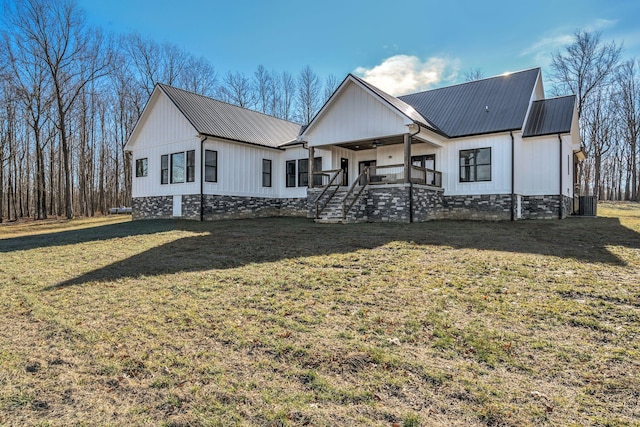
344,165
362,166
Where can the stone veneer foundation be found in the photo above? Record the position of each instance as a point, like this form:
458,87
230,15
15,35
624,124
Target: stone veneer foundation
391,203
152,207
218,207
377,203
546,207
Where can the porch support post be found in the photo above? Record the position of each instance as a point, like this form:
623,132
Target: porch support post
312,152
407,158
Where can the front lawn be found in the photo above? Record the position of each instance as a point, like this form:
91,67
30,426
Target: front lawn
280,321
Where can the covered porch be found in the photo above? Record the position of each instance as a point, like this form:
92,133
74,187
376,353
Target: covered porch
365,143
388,167
376,161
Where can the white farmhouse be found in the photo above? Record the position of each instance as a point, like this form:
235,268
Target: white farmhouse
489,149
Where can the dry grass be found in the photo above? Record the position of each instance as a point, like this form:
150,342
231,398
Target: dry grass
281,322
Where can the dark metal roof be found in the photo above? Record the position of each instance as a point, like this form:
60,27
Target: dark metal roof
484,106
219,119
398,104
550,116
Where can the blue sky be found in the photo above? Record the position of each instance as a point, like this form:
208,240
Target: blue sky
401,46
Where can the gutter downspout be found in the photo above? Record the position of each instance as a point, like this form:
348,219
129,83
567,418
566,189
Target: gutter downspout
202,140
513,167
411,180
561,200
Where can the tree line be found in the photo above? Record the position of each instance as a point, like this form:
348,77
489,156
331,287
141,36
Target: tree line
70,96
607,89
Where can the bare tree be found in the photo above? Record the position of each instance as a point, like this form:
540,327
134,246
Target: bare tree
586,65
173,63
237,89
331,83
73,55
7,124
263,89
288,91
309,96
628,100
473,74
601,131
585,68
32,82
144,55
199,76
127,99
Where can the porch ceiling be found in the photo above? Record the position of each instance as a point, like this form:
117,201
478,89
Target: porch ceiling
377,142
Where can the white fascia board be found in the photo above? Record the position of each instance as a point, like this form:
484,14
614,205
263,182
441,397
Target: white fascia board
429,136
334,97
532,98
145,113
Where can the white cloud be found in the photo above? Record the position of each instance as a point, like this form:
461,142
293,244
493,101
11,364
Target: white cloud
402,74
541,50
600,24
548,44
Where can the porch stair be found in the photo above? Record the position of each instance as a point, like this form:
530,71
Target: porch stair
332,212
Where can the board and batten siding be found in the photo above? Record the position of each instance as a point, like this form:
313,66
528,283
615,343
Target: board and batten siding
538,166
240,170
164,131
356,115
449,163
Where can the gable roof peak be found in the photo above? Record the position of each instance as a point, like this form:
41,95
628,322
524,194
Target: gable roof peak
404,108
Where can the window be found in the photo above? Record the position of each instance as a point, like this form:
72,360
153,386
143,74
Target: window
141,167
191,166
164,169
475,165
210,166
303,172
266,173
177,168
427,161
291,173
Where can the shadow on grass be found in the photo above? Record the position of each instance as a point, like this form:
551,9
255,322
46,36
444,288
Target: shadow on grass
84,235
230,244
